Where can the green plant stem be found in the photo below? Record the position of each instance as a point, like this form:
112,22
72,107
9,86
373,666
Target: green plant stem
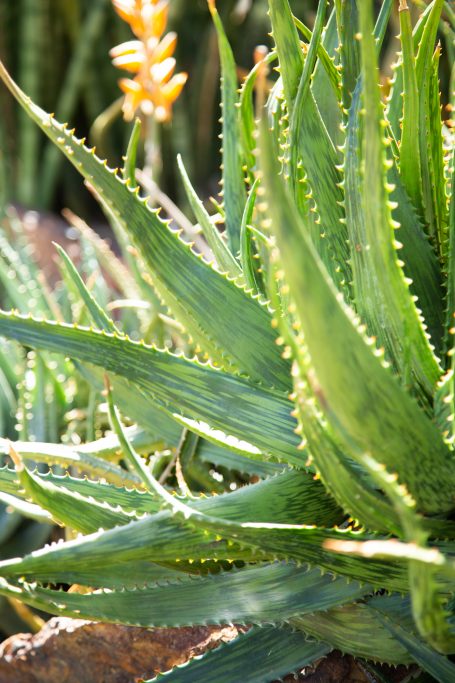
31,34
153,161
75,76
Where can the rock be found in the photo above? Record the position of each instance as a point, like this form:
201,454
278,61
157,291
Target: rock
334,668
338,668
78,651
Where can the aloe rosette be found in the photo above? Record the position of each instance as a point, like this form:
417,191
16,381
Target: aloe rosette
323,335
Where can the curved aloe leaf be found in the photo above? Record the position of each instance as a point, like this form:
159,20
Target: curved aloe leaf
223,256
310,144
162,538
234,195
345,628
347,25
190,287
435,664
410,165
395,104
260,654
420,262
129,168
294,496
348,366
69,508
246,241
434,198
262,594
98,315
382,294
179,386
116,497
66,456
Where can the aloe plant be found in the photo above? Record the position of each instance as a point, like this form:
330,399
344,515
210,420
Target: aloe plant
322,369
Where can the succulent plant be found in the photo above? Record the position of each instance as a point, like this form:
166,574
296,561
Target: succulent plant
322,334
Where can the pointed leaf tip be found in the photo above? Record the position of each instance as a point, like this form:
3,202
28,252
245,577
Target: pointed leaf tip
15,457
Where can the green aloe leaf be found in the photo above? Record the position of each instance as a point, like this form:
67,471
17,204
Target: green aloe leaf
345,628
435,664
247,113
134,403
444,404
325,58
246,242
434,198
425,564
348,367
226,262
348,26
65,456
382,22
451,260
420,262
290,53
161,430
263,653
326,90
340,476
181,387
70,510
382,294
395,103
259,594
98,315
161,538
410,166
295,495
437,160
190,287
118,498
234,194
129,168
310,144
221,457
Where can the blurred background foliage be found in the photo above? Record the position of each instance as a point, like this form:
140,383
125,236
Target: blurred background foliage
58,52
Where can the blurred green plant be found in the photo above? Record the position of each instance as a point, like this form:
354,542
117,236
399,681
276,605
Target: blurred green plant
58,51
44,399
322,334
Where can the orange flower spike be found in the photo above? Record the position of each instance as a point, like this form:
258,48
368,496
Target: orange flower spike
167,95
134,95
154,18
145,18
161,72
130,86
154,88
173,89
130,56
165,47
129,47
126,11
130,62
